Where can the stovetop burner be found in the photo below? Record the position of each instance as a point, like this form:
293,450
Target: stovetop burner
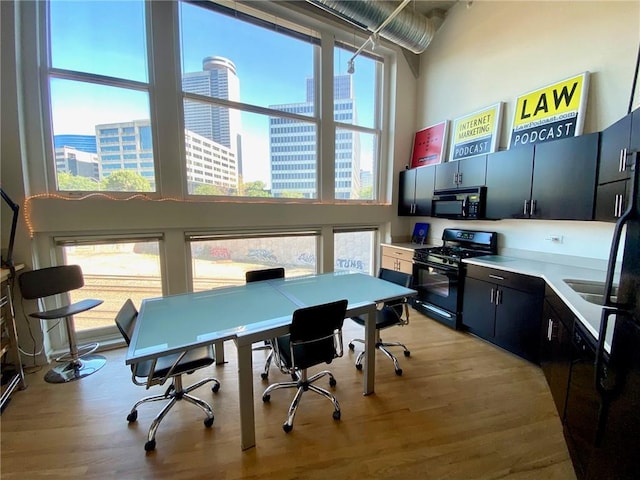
457,245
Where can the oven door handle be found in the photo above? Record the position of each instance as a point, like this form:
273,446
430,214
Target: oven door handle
436,266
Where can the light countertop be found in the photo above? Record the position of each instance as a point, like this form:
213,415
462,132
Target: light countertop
554,275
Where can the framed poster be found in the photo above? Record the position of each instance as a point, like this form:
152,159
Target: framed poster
551,112
428,145
476,133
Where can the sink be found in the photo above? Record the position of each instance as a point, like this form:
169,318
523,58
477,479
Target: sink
592,292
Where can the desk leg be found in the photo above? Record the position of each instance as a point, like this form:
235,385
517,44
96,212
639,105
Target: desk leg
370,351
219,352
245,390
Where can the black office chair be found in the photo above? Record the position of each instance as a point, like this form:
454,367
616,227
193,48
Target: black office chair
169,367
259,276
390,315
46,282
315,337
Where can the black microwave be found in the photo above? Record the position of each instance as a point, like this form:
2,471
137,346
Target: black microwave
462,203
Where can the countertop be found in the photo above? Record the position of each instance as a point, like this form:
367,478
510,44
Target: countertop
554,275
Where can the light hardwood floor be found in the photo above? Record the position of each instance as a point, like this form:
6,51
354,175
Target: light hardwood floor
463,409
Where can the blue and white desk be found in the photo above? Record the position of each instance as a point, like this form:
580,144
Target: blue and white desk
252,313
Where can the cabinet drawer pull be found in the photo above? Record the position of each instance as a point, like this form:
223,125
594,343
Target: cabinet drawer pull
496,277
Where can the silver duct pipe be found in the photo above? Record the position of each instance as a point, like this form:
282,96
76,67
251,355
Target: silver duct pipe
408,29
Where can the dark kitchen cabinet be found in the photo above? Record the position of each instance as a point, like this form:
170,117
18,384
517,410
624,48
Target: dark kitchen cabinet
564,178
504,308
611,200
416,191
612,194
508,182
614,145
554,180
468,172
555,347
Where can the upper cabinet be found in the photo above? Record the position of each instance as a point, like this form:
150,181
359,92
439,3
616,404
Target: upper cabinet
468,172
508,181
614,172
564,178
613,148
416,191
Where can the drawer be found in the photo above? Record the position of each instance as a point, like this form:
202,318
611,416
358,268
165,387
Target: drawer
400,253
504,278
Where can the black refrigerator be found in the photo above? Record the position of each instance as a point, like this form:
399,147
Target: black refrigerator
616,450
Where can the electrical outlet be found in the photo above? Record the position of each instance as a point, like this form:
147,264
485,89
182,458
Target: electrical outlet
554,238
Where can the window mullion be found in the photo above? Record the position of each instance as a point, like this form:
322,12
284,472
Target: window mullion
166,107
326,140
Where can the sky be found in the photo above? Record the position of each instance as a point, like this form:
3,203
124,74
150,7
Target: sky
276,75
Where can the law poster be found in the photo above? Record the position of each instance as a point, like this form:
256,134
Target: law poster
429,144
476,133
552,112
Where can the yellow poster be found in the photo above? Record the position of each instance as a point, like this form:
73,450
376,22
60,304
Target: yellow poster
552,112
476,133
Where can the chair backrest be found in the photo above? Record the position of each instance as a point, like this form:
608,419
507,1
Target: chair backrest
264,274
126,320
399,278
399,307
316,334
49,281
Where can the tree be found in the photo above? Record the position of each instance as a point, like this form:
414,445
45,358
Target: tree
366,193
208,189
126,181
256,189
291,194
69,182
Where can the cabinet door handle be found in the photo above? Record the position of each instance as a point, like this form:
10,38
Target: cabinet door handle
623,157
459,177
491,296
498,296
496,277
526,205
533,207
549,329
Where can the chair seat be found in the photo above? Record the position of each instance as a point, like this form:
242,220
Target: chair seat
193,360
387,317
73,309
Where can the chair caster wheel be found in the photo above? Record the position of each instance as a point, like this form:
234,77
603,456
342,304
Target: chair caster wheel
150,446
359,366
294,377
215,388
264,376
407,353
208,422
132,417
266,398
287,428
333,382
336,415
352,346
399,372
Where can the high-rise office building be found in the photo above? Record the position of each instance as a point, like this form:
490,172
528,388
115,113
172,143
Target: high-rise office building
293,146
217,79
128,146
84,143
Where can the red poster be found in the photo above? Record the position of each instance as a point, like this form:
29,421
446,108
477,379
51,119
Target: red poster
428,146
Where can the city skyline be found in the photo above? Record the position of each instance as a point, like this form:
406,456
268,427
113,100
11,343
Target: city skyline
276,77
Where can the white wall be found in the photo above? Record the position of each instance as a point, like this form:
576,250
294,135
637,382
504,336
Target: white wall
494,51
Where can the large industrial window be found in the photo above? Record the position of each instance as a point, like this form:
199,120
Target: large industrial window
222,260
99,96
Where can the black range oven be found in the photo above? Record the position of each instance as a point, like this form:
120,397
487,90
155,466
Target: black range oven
438,272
